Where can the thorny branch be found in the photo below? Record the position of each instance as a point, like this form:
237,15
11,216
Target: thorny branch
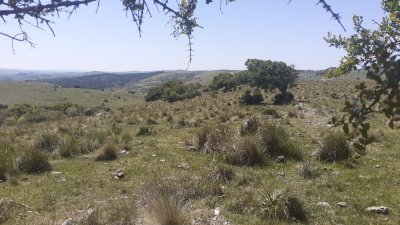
182,15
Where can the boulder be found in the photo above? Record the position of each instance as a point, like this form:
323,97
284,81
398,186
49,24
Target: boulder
378,209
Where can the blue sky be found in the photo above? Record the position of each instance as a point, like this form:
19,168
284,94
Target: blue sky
264,29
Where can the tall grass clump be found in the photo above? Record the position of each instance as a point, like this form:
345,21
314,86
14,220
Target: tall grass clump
209,139
276,141
107,152
34,160
249,126
6,161
47,141
245,152
164,202
334,147
282,204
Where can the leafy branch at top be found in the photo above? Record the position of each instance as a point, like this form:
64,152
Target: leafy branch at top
377,52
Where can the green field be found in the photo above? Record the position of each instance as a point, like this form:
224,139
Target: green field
162,175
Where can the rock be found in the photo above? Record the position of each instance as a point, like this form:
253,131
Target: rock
190,148
217,211
183,166
342,204
119,174
377,166
123,151
324,204
153,155
69,221
62,180
162,160
378,209
280,159
282,174
55,173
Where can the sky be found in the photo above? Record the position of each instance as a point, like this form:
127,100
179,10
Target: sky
263,29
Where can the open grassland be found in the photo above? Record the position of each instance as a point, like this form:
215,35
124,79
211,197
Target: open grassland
13,92
195,162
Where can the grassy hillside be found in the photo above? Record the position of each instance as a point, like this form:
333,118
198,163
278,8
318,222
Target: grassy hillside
33,93
193,162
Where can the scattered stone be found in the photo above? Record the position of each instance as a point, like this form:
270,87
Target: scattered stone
69,221
281,174
342,204
55,173
190,148
119,174
378,209
377,166
183,166
153,155
123,151
217,211
299,134
85,157
162,160
324,204
63,180
280,159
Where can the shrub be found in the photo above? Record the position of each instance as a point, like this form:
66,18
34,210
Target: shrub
251,98
276,142
107,152
69,147
172,91
6,160
165,202
244,152
34,161
334,147
47,141
281,204
283,98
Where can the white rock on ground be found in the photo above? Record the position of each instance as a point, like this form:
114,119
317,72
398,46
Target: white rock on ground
378,209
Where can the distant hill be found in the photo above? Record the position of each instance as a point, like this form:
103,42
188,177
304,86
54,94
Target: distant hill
99,80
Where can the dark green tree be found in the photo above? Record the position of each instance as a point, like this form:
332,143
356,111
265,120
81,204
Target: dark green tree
270,75
377,52
225,81
172,91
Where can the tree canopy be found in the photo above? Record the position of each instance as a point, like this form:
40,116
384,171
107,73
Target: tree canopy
172,91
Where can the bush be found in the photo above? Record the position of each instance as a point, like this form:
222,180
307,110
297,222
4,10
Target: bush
34,161
283,98
107,152
223,173
276,142
47,141
307,170
251,98
334,147
281,204
172,91
271,112
245,152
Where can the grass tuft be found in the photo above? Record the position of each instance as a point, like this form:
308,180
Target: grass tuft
107,152
34,160
334,147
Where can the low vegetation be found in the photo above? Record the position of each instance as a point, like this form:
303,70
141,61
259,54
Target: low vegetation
204,160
